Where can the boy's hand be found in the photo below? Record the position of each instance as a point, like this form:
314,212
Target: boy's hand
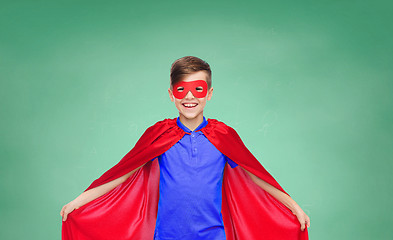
67,209
302,217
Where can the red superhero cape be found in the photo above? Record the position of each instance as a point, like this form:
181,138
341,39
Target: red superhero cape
129,211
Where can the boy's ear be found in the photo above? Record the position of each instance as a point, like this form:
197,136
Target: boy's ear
171,94
209,93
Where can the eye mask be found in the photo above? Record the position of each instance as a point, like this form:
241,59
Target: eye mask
198,88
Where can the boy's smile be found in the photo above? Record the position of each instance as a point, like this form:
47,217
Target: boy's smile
191,107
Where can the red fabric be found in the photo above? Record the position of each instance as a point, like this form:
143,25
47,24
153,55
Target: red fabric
129,211
190,86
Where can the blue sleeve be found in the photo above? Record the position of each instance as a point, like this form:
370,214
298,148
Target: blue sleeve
230,162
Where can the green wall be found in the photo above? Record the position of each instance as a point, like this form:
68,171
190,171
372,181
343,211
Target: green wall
307,85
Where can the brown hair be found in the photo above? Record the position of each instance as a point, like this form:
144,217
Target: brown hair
187,65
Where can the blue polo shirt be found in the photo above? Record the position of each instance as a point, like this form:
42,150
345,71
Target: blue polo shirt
191,175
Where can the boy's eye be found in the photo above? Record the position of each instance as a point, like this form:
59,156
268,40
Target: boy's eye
199,88
180,89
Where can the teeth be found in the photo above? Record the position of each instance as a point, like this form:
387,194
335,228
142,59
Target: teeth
190,105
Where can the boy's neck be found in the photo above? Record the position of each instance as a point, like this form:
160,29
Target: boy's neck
191,123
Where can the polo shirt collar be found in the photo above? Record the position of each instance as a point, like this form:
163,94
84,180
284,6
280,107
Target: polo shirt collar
186,129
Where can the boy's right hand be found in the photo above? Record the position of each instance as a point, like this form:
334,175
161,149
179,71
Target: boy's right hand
67,209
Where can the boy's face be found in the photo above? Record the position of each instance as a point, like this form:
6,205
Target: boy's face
197,104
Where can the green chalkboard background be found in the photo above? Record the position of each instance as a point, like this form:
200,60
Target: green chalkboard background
307,85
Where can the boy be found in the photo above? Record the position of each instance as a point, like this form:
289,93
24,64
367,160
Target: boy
184,192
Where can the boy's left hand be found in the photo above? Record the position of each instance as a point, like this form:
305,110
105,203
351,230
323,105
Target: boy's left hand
304,220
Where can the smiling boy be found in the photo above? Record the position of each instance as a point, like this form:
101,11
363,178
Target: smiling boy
180,196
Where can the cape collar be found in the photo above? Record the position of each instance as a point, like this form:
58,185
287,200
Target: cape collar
187,130
211,124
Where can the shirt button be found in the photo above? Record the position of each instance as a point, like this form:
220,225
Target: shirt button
192,135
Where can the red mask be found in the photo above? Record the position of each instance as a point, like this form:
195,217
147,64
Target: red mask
198,88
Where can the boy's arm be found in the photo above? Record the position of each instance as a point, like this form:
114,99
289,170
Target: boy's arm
93,193
283,198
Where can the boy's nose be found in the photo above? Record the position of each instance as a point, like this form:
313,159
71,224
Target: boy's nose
189,95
